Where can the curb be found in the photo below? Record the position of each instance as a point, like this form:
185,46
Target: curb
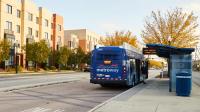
109,100
115,97
35,85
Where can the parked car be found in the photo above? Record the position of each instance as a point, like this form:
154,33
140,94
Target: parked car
86,68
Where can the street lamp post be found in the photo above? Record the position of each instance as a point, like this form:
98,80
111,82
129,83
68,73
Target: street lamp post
58,48
16,46
169,40
169,66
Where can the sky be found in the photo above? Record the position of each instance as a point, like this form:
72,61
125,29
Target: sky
107,16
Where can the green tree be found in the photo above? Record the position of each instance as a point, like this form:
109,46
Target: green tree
72,59
4,50
62,55
79,57
175,27
37,52
117,39
87,58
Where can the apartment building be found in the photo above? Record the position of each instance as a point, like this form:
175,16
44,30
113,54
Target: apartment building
71,40
87,39
22,22
45,19
10,26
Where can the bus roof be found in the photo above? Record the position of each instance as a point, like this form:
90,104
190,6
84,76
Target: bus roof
131,53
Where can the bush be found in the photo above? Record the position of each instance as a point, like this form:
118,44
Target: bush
46,68
31,69
12,69
52,68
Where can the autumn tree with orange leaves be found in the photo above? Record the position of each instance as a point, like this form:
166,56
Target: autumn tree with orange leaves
117,39
176,28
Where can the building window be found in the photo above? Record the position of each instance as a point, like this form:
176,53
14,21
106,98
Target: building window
59,39
70,44
18,13
51,37
19,1
46,35
36,33
59,27
30,17
30,31
9,9
8,25
52,25
37,20
46,22
18,28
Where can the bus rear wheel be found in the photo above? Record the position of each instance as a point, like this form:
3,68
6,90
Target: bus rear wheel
104,85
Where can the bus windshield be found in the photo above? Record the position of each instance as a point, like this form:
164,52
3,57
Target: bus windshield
108,56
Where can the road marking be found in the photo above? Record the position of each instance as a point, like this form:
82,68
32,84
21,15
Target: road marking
37,109
59,110
40,109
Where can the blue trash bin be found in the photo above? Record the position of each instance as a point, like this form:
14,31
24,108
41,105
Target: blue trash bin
183,84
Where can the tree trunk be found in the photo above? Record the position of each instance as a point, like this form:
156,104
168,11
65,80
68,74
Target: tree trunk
36,67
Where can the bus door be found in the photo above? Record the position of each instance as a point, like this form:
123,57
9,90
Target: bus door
133,70
138,70
145,69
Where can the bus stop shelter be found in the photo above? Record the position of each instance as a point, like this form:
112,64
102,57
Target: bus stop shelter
179,60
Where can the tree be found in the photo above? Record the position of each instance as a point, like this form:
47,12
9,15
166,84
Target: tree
175,28
62,55
72,59
118,38
87,58
156,64
4,50
37,52
79,56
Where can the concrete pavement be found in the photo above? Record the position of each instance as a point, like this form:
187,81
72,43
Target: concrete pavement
152,97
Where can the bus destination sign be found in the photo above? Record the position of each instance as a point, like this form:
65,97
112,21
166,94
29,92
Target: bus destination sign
149,51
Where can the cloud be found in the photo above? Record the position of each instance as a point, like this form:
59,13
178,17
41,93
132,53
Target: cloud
192,5
110,27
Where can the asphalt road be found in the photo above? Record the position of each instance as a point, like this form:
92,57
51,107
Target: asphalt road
76,96
10,83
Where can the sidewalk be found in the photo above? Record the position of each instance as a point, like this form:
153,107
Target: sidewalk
152,97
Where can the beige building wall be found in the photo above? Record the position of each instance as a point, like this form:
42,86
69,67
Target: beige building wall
29,23
87,39
57,31
45,19
5,16
10,30
71,40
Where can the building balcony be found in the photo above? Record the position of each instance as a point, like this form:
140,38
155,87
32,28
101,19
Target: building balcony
9,34
8,31
30,39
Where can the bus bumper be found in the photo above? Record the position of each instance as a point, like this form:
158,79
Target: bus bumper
121,82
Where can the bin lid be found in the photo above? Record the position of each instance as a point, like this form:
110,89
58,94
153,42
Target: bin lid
183,74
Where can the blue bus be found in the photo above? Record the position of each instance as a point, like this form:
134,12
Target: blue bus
117,65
